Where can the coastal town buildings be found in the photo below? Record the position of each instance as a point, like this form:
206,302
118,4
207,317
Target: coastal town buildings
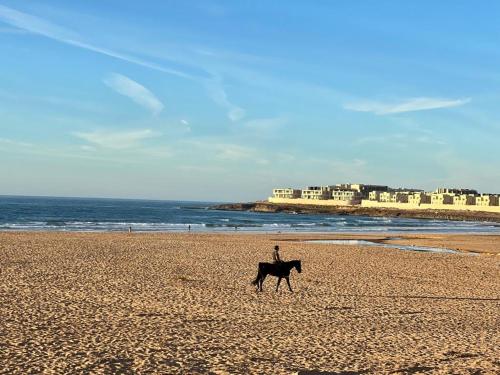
440,198
385,197
288,193
393,196
364,190
455,191
316,192
352,196
419,198
487,200
464,199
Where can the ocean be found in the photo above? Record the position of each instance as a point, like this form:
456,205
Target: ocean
98,215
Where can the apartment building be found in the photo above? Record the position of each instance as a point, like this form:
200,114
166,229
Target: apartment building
441,198
487,200
455,191
383,196
316,192
393,197
419,198
361,188
288,193
352,196
464,200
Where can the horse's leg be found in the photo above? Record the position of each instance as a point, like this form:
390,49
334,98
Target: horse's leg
262,278
278,284
259,282
288,282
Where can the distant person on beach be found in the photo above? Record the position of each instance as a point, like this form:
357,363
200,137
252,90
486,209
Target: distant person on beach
130,229
276,254
189,228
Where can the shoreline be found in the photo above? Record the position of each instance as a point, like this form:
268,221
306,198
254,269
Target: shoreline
462,242
452,215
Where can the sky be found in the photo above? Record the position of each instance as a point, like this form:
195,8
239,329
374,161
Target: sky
225,100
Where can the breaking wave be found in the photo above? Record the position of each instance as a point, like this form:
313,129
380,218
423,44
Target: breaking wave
109,215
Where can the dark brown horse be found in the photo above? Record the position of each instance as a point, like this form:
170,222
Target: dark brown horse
280,270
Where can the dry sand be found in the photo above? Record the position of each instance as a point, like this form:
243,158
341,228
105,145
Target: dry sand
183,303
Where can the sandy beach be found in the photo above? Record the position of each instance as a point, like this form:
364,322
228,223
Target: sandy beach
183,303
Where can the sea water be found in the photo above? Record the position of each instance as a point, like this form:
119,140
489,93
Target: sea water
89,214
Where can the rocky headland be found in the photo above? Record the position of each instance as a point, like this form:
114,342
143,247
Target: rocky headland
263,206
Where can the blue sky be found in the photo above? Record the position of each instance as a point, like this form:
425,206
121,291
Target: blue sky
224,100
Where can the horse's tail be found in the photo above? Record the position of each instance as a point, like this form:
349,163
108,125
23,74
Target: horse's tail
258,277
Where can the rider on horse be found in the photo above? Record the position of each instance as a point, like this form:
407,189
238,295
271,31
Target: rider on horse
276,255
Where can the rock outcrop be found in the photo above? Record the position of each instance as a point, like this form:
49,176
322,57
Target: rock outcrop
263,206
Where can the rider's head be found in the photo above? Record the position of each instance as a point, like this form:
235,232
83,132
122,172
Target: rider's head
276,247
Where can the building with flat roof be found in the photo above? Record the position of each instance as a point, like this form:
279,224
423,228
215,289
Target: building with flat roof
441,198
288,193
464,199
361,188
374,195
455,191
419,198
316,192
487,200
384,196
393,197
351,196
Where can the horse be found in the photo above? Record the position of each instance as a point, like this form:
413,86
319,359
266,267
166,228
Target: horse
280,270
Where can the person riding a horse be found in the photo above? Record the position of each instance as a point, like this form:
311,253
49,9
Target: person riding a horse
276,255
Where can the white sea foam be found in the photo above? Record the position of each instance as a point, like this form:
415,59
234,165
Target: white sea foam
74,214
390,246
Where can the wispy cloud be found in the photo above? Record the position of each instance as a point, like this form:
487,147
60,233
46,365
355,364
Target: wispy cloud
265,124
410,105
55,101
117,140
50,30
480,176
218,94
11,30
227,152
336,169
234,152
36,25
187,125
400,140
11,142
135,91
101,147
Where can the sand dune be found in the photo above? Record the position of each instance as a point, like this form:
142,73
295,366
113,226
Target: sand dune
183,303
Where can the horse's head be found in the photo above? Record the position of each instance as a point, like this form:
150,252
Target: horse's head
298,266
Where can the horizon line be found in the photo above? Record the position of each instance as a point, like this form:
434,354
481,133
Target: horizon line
115,198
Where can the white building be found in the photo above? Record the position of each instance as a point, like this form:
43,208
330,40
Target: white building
288,193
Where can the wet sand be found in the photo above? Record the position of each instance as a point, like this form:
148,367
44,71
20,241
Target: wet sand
183,303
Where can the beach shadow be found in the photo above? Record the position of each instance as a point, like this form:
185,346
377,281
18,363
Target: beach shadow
438,298
339,308
318,372
413,370
120,365
116,365
149,315
452,355
411,312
